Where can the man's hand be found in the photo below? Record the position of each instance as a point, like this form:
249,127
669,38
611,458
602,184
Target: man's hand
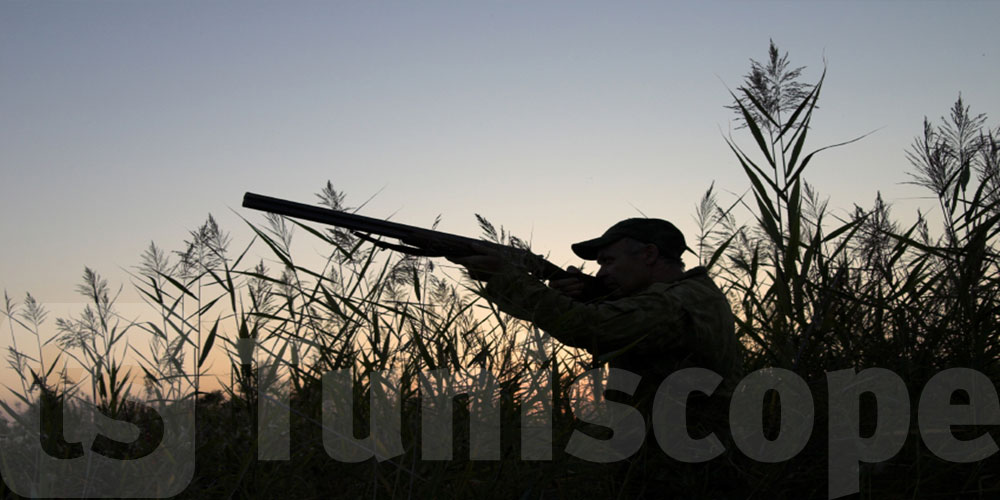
481,267
571,287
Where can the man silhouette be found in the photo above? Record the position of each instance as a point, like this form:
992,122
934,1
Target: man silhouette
656,319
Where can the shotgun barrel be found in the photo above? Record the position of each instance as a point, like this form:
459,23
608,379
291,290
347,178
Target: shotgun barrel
415,240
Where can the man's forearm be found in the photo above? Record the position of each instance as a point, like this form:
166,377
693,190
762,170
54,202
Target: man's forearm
599,327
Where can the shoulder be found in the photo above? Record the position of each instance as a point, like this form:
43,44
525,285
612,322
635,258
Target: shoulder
697,298
694,284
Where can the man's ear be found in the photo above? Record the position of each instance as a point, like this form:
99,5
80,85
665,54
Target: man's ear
650,253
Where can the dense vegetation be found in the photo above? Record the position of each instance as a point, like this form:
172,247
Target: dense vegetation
811,294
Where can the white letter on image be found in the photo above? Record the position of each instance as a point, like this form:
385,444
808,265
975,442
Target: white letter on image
796,417
846,446
936,414
626,423
670,415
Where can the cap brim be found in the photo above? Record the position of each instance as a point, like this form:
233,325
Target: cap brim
587,250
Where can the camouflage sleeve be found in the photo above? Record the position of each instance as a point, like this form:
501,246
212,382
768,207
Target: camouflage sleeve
598,327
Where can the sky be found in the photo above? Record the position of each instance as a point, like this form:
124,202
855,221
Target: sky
123,123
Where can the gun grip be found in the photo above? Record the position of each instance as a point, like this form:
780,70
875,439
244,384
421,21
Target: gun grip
593,288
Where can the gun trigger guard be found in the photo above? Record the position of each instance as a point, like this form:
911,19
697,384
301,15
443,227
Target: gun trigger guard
420,252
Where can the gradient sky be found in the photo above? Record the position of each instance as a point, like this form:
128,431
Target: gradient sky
123,123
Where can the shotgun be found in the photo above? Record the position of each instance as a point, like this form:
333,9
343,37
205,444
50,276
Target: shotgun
419,241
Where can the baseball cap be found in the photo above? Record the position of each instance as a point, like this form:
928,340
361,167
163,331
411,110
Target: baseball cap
667,238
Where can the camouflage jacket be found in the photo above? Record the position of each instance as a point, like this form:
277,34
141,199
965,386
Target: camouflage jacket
663,328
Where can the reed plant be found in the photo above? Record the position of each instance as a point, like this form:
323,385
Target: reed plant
814,295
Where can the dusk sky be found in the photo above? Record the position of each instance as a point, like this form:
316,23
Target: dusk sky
123,123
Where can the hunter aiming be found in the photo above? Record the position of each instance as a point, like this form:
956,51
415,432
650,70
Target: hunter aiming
657,319
642,312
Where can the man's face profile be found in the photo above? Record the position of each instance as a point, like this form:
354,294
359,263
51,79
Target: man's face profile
626,265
